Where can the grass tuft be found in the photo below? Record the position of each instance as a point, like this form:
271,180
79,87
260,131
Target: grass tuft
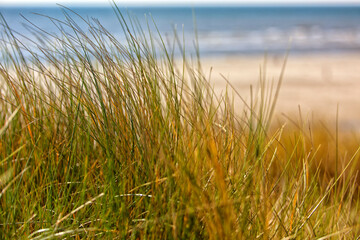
101,139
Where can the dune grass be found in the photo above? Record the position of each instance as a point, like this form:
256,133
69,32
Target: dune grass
105,140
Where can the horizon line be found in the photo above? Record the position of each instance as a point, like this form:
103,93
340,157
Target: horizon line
218,4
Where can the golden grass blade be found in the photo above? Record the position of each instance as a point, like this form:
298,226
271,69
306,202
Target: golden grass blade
8,121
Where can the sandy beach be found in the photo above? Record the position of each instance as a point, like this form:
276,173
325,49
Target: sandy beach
316,83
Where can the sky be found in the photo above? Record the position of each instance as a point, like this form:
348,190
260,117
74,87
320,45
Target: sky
175,2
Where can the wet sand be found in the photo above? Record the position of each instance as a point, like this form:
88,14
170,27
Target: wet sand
317,83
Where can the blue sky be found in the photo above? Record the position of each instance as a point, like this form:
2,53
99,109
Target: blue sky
173,2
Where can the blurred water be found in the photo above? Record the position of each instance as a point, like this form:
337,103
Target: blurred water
223,30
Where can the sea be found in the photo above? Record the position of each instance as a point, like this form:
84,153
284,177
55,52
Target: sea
212,30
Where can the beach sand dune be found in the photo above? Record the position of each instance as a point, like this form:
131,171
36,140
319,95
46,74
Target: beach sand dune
317,83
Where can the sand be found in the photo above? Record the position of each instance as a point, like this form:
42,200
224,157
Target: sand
315,83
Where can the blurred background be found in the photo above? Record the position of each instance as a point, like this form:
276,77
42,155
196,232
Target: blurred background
224,27
323,38
230,27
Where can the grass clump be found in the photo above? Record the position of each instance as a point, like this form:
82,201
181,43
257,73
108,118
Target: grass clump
102,139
